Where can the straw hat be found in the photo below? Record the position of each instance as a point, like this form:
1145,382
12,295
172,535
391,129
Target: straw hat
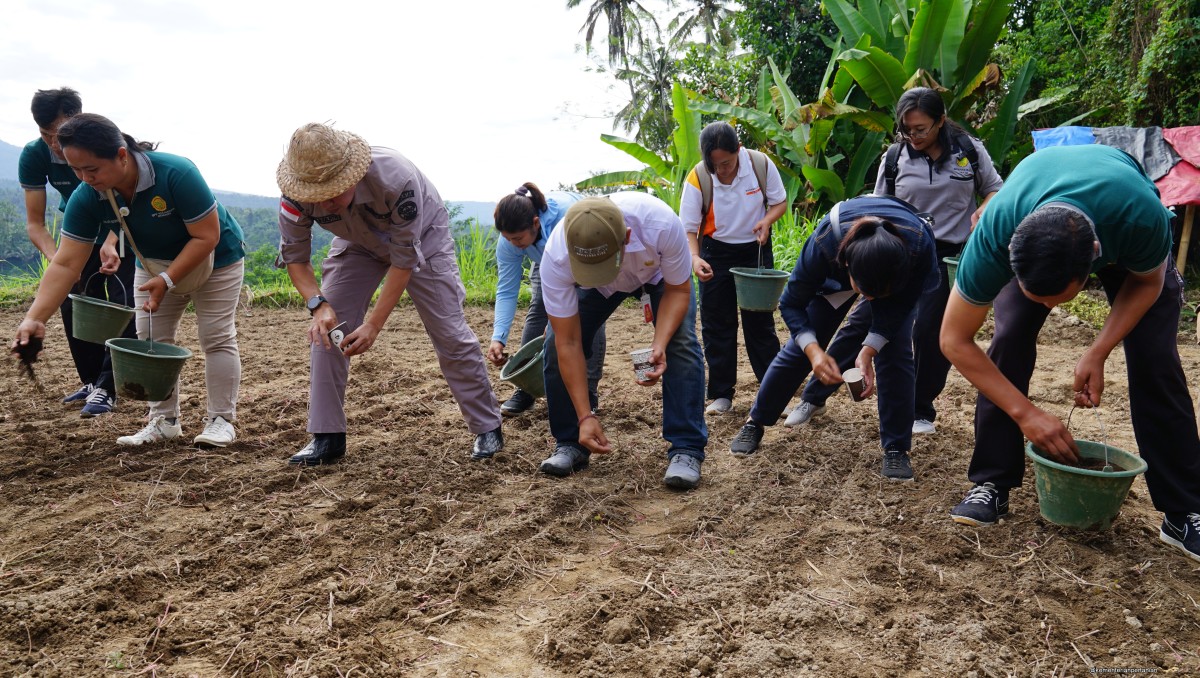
321,163
595,232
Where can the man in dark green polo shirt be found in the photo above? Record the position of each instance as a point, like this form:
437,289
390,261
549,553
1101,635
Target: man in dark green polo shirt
1064,213
42,163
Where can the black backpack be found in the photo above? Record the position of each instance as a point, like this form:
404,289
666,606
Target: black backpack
961,142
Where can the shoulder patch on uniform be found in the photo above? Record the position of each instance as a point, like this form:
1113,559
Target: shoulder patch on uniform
407,210
290,210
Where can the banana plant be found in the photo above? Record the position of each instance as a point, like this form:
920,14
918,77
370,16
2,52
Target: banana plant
661,176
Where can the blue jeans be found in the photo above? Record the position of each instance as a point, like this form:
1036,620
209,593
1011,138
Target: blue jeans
682,383
895,372
535,326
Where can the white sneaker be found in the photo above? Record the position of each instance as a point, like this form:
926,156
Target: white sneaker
719,406
217,433
923,427
157,430
802,413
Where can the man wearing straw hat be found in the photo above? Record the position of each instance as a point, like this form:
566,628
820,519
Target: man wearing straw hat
1036,244
609,249
390,225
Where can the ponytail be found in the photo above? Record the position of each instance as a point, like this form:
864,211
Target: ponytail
516,211
99,136
874,254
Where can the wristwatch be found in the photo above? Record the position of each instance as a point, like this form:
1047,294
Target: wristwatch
315,302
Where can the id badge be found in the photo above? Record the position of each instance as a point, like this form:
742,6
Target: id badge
647,310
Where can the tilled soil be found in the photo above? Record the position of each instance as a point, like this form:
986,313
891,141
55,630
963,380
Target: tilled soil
410,559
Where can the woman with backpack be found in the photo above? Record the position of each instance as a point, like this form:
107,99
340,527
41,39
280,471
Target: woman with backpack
941,170
730,201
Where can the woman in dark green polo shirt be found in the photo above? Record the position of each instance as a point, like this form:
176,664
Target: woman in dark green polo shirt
171,215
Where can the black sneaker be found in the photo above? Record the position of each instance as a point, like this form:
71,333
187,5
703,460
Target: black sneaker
983,505
518,403
897,465
324,448
1182,530
487,444
746,441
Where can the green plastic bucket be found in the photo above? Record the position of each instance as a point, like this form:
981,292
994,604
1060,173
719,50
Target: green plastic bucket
758,289
1084,498
951,268
98,320
524,369
146,370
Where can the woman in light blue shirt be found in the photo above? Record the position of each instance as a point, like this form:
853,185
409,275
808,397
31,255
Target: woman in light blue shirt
525,219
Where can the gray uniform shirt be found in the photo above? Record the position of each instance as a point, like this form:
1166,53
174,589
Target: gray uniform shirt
397,214
947,191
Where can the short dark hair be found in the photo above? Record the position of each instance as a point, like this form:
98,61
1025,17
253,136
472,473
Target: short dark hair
1051,248
51,104
717,136
515,212
98,135
876,257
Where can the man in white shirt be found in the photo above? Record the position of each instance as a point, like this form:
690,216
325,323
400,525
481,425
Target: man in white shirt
611,248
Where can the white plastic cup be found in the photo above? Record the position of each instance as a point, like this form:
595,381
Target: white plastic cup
641,362
855,382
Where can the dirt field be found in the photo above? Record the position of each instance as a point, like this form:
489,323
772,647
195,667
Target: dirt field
409,559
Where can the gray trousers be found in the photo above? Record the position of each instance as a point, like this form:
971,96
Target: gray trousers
349,276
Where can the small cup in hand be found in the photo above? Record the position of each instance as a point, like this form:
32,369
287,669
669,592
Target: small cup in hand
855,382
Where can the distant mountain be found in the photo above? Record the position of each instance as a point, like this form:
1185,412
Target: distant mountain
9,155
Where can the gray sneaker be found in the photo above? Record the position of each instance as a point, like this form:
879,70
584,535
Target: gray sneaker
897,465
683,473
565,461
803,412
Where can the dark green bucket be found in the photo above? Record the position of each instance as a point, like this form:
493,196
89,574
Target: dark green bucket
758,289
524,369
1084,498
97,320
146,370
951,268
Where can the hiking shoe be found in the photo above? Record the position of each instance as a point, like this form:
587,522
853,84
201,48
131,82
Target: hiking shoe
157,430
217,433
746,441
1182,530
803,412
897,465
324,448
683,473
565,461
518,403
983,505
98,402
488,444
923,427
719,406
82,394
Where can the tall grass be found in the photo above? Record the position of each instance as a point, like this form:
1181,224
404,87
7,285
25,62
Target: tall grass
790,233
475,250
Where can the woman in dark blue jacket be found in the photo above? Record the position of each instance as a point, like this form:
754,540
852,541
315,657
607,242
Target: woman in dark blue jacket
877,247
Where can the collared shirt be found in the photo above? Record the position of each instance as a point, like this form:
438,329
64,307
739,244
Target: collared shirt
510,260
1102,183
396,214
39,166
946,191
817,272
736,207
170,194
657,250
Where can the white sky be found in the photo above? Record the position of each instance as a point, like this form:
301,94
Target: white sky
482,95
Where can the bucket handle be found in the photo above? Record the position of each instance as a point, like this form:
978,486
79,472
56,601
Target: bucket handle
1103,432
760,258
124,289
150,329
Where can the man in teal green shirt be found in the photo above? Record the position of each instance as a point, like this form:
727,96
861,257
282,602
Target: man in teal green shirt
42,163
1065,213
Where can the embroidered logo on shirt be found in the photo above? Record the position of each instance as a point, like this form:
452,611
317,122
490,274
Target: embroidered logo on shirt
405,196
327,219
963,162
754,191
407,210
158,204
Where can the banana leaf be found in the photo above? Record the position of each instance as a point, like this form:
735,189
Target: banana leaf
639,152
985,25
825,182
928,31
878,73
1000,140
608,179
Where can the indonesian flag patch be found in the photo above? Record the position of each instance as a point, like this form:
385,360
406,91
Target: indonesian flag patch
289,210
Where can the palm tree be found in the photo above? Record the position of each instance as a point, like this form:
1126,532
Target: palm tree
624,19
714,16
650,74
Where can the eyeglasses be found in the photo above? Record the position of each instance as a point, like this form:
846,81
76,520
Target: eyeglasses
919,132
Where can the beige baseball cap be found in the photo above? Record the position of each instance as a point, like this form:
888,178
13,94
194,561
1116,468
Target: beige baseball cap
595,235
